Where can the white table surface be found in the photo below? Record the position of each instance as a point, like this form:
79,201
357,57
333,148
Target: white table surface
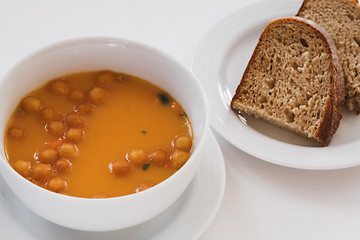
262,200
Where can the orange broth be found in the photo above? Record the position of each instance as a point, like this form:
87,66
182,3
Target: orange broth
136,115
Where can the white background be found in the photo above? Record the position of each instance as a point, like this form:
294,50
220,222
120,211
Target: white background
262,200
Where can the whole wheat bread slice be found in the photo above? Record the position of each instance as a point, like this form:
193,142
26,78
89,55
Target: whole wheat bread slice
341,19
294,80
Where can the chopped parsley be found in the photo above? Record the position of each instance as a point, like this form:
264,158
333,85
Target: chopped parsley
164,98
146,166
183,114
144,132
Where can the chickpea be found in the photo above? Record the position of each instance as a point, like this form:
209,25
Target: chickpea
56,184
48,114
144,186
75,120
42,171
120,168
76,96
105,79
63,166
99,95
15,132
68,151
56,128
84,108
48,155
183,142
22,167
74,134
178,159
159,157
31,104
59,87
136,157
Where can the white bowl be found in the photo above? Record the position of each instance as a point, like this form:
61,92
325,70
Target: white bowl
122,56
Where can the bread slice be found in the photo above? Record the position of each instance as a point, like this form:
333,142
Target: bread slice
294,80
341,19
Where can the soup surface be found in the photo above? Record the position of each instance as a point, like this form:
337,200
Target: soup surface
98,134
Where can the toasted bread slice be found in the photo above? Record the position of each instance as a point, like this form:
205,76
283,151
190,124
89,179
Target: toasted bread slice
341,19
294,80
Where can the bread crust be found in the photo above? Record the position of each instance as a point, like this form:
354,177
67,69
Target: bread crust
332,109
352,101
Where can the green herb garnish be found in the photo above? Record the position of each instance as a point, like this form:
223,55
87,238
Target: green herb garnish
146,166
164,98
143,132
183,114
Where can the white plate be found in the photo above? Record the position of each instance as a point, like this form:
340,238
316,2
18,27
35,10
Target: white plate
186,219
219,63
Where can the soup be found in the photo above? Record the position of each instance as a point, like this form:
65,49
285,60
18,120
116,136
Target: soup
98,134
